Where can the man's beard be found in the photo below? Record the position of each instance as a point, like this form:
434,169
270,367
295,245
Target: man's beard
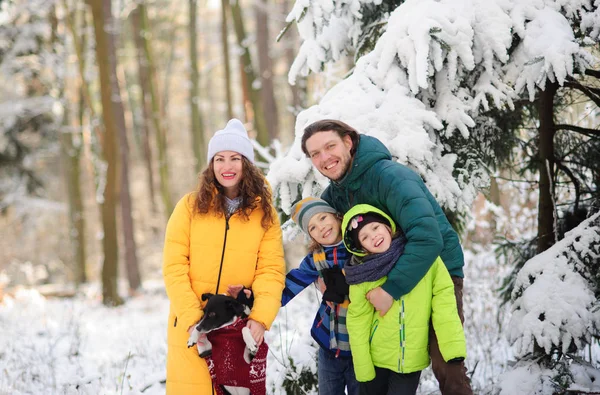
344,172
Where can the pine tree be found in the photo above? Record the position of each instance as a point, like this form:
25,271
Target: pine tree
449,86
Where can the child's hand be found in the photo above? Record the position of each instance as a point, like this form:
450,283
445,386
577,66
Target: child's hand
321,285
381,300
322,289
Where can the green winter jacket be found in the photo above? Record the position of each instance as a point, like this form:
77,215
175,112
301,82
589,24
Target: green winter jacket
399,340
375,179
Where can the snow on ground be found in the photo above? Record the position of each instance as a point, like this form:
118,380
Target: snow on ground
78,346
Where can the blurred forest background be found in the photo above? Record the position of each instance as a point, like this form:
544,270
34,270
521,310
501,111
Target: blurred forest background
106,111
106,108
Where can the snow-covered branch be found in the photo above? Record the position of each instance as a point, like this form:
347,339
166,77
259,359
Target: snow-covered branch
434,69
554,305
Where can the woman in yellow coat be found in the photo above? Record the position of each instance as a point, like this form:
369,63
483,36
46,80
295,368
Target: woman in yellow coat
226,233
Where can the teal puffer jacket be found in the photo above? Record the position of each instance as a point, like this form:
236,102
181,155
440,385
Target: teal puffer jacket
375,179
399,340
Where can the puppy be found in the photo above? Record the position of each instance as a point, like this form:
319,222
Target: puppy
236,364
222,311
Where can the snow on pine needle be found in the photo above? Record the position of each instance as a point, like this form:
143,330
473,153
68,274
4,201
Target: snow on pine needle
554,305
434,69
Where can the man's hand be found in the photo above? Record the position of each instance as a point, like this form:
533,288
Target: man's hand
322,289
381,300
257,330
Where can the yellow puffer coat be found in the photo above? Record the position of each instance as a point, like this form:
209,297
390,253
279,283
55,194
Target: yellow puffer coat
192,255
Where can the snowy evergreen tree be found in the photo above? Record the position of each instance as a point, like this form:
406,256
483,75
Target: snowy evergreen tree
556,314
444,88
431,74
29,110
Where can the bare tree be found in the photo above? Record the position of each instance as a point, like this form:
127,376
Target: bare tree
265,67
226,60
144,81
70,145
197,128
155,108
101,16
250,80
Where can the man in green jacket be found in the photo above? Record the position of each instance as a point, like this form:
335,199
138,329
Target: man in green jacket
361,171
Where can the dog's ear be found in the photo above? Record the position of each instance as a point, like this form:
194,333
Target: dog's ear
235,306
246,296
207,296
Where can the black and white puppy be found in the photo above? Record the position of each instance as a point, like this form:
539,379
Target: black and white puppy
221,311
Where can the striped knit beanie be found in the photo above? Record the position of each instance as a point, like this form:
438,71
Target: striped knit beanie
304,210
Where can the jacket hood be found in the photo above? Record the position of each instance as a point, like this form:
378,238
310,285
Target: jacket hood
370,150
357,210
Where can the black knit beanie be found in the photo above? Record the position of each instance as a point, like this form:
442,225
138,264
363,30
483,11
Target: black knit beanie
359,221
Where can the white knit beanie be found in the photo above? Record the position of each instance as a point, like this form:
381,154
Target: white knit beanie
233,138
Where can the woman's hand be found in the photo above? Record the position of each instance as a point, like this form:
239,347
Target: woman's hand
381,300
257,330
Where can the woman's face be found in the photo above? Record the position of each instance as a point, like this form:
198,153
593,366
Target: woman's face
375,237
325,228
228,171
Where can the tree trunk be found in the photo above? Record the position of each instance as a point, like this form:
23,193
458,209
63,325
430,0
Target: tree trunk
196,121
71,154
131,261
250,80
226,61
109,150
546,208
159,130
144,81
265,67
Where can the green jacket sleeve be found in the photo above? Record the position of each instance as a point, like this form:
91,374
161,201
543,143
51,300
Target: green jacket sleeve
358,323
402,194
444,315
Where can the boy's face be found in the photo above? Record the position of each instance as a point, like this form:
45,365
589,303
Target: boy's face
375,237
325,228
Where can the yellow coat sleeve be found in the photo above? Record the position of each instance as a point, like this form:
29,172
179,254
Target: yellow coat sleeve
269,278
176,266
358,322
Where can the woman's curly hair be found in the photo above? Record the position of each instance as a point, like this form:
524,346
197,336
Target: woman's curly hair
253,190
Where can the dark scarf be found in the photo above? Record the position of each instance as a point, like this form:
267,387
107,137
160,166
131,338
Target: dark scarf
374,266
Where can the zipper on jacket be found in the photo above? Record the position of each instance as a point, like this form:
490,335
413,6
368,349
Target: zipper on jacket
348,202
222,253
402,338
175,322
373,331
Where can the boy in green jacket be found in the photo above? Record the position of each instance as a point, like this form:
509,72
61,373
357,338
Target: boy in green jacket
389,352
